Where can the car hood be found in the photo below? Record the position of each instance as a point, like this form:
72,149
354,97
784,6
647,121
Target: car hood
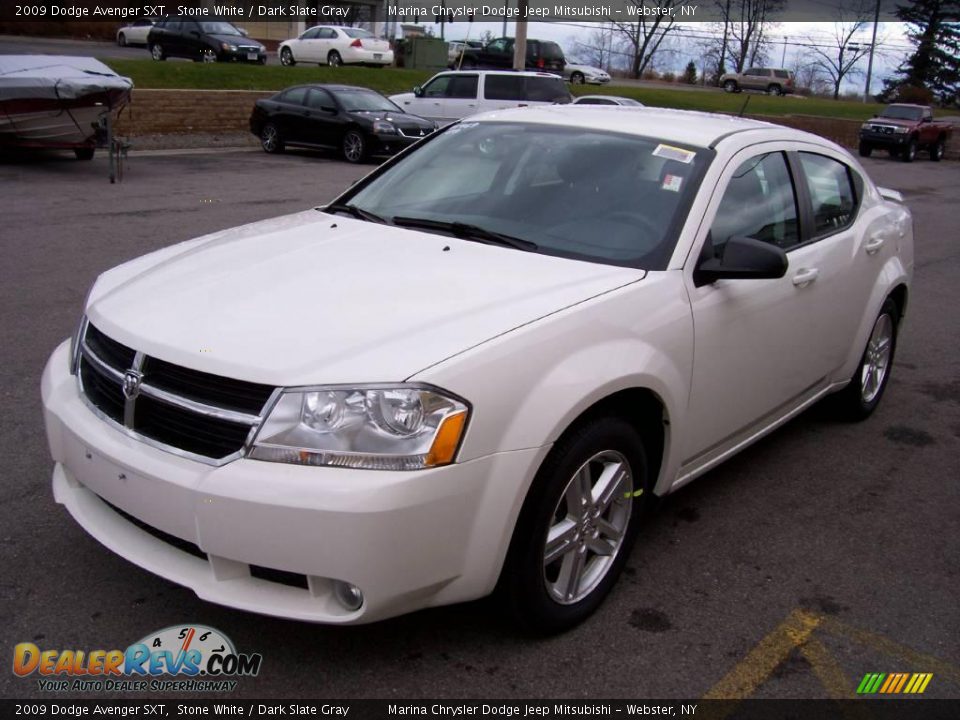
237,40
896,122
398,118
315,298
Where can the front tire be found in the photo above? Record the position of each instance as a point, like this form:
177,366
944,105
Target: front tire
208,56
860,398
866,149
286,57
576,78
937,150
84,153
576,527
354,147
156,52
270,139
730,86
334,59
909,153
122,40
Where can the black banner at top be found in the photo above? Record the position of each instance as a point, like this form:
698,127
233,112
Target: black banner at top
314,11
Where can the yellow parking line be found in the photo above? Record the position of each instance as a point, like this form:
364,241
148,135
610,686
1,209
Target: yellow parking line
747,675
827,669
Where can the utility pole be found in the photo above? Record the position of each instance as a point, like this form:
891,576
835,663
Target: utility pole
520,43
873,45
506,6
783,56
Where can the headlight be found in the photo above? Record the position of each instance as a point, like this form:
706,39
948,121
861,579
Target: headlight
901,130
383,427
228,46
384,127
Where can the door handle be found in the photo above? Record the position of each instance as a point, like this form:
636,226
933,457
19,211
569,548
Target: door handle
874,244
805,276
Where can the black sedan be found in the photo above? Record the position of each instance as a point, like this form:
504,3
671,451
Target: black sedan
357,121
203,41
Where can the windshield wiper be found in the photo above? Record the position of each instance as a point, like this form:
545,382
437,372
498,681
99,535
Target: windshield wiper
465,231
355,211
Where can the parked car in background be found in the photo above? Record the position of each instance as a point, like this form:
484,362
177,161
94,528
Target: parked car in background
136,32
335,45
607,100
580,74
773,81
455,47
452,95
543,55
203,41
460,377
902,129
357,121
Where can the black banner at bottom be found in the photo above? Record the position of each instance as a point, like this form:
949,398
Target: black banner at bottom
887,709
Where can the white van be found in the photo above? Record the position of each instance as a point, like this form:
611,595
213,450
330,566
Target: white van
449,96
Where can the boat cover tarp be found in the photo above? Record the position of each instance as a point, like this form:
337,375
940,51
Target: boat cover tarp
56,76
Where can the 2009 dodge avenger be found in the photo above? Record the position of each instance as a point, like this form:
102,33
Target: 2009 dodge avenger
472,370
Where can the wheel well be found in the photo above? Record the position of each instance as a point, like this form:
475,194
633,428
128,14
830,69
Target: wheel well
899,296
643,409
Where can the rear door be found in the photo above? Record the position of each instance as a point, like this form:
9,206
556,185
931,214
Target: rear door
290,115
305,48
503,90
323,123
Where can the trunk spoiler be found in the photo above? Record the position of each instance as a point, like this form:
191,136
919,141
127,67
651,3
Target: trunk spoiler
889,194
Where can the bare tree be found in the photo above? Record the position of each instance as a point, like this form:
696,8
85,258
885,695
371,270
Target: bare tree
838,57
595,49
809,76
746,22
644,36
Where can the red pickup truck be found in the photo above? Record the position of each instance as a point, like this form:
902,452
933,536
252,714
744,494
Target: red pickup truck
903,130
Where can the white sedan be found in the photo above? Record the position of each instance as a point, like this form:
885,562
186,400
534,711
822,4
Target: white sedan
135,33
335,45
580,74
475,368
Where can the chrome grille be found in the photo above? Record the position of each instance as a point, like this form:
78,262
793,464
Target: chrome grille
192,413
414,132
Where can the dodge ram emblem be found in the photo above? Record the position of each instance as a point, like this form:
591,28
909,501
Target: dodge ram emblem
131,384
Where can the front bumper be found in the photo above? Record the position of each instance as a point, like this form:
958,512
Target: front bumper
259,56
385,144
882,139
408,540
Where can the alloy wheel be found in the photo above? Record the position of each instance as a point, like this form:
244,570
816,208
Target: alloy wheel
876,361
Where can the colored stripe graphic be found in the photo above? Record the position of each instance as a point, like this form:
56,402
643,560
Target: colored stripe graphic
894,683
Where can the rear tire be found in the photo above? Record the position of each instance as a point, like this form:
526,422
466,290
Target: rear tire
860,398
866,149
84,153
774,90
334,59
270,139
577,525
156,52
576,78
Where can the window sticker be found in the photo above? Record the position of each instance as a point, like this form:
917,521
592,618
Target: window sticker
669,152
672,183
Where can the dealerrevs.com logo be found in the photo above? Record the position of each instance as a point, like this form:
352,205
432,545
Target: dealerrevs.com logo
197,658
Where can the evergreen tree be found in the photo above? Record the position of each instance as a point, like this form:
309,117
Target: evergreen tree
934,30
690,74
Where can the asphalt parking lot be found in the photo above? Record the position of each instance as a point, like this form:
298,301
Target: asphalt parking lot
822,553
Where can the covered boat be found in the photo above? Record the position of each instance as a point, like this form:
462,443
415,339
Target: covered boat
57,101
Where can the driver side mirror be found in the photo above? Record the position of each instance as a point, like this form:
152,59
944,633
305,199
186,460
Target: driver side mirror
418,91
742,258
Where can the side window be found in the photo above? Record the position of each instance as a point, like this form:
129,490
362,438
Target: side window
437,88
319,99
759,203
545,89
832,192
310,34
294,96
595,101
781,74
503,87
499,46
173,26
327,34
463,87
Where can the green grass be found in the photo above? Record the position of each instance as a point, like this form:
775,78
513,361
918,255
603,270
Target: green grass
712,101
178,74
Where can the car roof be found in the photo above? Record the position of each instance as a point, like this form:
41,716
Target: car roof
525,73
687,127
329,86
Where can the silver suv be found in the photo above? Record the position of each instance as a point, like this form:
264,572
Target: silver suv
773,81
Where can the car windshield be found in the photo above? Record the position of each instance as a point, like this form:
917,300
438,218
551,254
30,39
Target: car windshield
598,196
899,112
219,28
364,101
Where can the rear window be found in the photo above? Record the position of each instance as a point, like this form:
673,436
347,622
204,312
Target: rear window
357,33
781,74
547,89
550,51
